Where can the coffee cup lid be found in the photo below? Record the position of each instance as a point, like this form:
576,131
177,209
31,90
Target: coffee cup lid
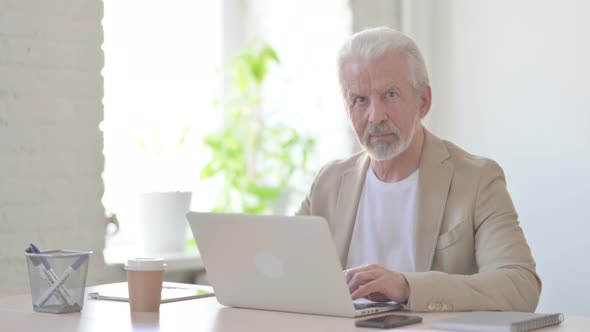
145,264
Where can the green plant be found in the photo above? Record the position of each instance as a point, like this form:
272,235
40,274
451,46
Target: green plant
255,156
158,141
165,145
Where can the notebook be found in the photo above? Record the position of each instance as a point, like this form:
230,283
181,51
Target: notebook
496,321
281,263
171,292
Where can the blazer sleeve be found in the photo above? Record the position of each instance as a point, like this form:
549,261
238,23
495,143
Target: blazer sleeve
305,207
506,279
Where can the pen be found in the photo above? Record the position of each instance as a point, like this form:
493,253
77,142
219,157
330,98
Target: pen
49,292
42,271
48,274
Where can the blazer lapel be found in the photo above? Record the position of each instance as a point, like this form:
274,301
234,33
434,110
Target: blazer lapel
349,194
436,173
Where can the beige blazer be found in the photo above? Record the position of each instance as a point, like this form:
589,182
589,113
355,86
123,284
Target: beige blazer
471,253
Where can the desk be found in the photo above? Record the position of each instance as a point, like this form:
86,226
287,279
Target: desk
16,314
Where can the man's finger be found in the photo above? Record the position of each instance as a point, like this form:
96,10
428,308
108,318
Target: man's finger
366,289
361,278
348,274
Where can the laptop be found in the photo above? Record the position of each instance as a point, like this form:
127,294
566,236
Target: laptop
282,263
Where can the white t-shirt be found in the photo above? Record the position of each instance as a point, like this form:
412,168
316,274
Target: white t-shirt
384,228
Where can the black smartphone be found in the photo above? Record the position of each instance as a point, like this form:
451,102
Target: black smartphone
389,321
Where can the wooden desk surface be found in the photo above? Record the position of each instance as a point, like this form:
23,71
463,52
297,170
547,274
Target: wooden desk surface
16,314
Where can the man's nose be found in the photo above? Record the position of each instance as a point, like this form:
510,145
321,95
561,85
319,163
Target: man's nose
377,112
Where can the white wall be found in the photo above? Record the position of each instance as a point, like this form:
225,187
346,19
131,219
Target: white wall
510,82
50,145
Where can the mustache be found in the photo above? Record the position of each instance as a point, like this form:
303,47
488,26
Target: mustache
381,128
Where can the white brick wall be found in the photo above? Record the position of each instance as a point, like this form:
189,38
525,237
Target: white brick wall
51,158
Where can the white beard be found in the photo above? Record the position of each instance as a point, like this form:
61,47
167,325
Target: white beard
382,150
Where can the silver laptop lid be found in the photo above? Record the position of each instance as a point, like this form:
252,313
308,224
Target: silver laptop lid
283,263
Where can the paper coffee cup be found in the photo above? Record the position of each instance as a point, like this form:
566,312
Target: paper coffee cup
144,278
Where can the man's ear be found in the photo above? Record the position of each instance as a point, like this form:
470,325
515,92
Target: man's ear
425,101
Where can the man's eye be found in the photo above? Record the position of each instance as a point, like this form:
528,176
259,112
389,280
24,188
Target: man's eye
391,94
360,99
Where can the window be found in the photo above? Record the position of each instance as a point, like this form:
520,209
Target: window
162,72
160,68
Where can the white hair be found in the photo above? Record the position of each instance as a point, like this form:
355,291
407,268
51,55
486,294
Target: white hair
371,44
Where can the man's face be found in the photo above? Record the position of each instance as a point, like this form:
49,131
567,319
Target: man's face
383,105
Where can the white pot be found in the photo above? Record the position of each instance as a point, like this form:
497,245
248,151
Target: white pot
162,221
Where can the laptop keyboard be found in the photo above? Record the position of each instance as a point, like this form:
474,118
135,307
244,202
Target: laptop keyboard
361,306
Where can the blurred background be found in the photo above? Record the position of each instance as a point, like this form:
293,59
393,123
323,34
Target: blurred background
112,114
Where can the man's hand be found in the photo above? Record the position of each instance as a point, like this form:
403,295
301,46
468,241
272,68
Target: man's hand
376,283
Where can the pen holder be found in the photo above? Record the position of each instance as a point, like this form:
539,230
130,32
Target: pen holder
58,280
